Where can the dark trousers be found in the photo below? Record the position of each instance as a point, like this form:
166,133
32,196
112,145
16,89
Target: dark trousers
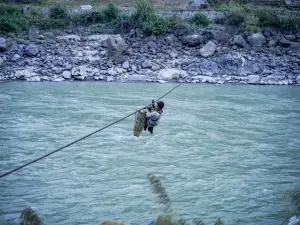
150,129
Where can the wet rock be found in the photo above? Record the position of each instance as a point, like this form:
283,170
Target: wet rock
208,49
239,41
31,50
257,39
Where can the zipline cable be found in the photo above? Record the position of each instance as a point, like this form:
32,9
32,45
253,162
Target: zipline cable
80,139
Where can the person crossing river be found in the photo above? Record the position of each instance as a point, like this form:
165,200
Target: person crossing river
153,115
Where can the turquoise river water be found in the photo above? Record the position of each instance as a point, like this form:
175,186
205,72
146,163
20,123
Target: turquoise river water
229,151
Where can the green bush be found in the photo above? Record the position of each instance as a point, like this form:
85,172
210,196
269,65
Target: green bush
88,18
11,19
59,12
235,16
252,18
111,12
200,20
146,19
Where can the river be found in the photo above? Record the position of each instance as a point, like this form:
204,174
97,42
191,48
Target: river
228,151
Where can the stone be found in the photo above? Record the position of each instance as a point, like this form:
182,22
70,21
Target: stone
31,50
295,47
109,78
170,39
231,63
284,43
298,79
155,67
170,74
34,79
24,73
290,37
272,43
253,79
71,37
58,79
101,37
174,54
33,32
146,64
116,47
192,40
137,77
3,46
239,41
257,39
208,49
79,72
67,75
125,65
196,4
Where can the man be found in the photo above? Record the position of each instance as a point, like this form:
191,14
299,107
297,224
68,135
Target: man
153,115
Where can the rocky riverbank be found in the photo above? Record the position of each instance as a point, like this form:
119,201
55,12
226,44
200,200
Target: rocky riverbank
219,55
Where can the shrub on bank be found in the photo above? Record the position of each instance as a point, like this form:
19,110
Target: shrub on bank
200,19
253,18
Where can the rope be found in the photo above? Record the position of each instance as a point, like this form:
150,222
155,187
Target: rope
80,139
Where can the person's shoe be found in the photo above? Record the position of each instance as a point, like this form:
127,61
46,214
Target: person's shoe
150,129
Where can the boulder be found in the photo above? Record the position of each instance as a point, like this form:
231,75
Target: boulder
284,43
170,74
116,48
298,79
253,79
31,50
193,40
3,46
67,75
239,41
257,39
146,65
79,72
295,47
25,73
125,65
208,49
